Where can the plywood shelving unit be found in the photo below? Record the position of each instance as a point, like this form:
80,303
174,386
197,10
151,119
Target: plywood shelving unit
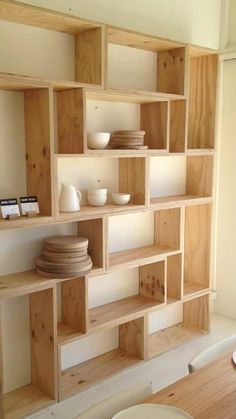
178,115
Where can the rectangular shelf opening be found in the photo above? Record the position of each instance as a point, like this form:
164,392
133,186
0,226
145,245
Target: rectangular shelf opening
38,344
202,101
144,63
197,248
130,351
26,116
180,180
195,323
127,175
164,238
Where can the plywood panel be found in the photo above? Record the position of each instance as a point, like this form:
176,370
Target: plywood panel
74,303
132,337
197,244
132,178
196,312
152,281
177,126
202,101
89,56
154,120
94,231
71,121
199,175
43,341
171,71
167,228
174,272
38,132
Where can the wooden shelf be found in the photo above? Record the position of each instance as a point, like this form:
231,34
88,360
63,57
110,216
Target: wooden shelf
177,200
118,312
25,222
171,338
131,96
67,333
191,288
88,211
86,374
139,256
25,401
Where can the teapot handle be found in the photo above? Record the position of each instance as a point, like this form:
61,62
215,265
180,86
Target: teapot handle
79,195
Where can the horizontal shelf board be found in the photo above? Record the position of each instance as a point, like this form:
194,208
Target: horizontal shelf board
176,200
65,332
111,153
43,18
22,283
171,338
138,40
25,222
121,311
86,374
139,256
192,288
200,151
24,401
88,210
131,96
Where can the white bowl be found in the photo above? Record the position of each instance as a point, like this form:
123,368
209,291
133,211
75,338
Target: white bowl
121,198
98,140
97,192
97,201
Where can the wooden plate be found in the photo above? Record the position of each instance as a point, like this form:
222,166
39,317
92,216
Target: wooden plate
50,275
46,265
65,257
129,132
64,252
66,243
136,147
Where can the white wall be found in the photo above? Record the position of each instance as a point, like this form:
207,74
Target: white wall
191,21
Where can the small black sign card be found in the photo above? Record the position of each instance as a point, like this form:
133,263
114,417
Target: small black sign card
9,207
29,204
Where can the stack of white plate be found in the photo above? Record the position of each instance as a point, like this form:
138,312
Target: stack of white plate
128,140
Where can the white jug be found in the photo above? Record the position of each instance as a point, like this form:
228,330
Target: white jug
69,198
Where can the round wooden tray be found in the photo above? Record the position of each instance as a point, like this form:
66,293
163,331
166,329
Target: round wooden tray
65,257
66,243
48,266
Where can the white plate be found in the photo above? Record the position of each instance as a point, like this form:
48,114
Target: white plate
234,357
152,411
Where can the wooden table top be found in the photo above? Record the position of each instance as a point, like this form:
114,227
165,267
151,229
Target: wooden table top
209,393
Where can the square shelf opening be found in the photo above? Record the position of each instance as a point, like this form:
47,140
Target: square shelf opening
116,296
174,278
178,324
29,374
140,62
78,47
133,243
125,174
202,101
118,349
180,178
197,248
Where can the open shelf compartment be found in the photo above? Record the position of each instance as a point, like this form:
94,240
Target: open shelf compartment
165,239
130,350
42,390
27,117
168,59
187,179
195,323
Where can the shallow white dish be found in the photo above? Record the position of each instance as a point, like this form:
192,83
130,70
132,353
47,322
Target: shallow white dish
152,411
98,140
121,198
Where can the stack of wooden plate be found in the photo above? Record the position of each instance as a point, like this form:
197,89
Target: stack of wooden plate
64,257
128,140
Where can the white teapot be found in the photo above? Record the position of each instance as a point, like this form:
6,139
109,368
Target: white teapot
69,200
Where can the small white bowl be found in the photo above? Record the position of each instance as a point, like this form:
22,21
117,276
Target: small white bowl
97,201
121,198
98,140
97,192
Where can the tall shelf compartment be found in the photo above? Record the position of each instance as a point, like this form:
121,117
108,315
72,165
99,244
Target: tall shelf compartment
151,258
